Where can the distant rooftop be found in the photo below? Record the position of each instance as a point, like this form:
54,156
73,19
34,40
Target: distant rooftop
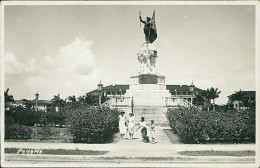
247,93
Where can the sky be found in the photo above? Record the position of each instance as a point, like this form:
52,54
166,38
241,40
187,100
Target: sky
67,50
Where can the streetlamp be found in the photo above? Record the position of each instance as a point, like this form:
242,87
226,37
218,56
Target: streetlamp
36,99
100,87
192,90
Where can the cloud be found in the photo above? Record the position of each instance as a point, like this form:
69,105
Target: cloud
71,72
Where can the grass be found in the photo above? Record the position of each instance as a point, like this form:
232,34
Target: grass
218,153
59,151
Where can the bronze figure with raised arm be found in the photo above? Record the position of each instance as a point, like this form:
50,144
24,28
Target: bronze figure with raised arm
149,28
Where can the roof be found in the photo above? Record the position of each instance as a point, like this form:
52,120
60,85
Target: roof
115,87
247,93
34,101
19,101
41,101
111,88
181,88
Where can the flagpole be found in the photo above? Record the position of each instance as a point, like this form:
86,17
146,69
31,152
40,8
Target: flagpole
140,15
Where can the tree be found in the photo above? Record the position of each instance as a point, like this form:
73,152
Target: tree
91,100
57,101
8,98
214,93
81,99
240,97
27,103
72,98
207,97
199,100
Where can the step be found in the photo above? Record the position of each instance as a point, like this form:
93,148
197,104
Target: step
150,113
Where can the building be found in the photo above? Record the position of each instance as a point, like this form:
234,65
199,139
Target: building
248,100
39,105
187,92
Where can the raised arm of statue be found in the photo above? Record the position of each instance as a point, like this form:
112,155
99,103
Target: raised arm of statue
141,19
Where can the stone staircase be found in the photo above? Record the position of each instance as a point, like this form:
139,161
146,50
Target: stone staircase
149,113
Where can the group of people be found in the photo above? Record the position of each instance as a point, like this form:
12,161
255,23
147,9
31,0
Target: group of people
127,125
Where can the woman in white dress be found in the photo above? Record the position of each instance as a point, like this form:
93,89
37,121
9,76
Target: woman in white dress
131,125
122,127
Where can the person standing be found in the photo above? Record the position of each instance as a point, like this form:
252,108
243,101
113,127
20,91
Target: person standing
152,131
131,125
143,128
122,126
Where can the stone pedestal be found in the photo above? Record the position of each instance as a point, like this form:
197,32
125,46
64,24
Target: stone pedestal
147,88
148,94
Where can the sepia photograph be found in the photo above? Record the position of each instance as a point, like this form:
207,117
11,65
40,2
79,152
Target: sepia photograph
129,84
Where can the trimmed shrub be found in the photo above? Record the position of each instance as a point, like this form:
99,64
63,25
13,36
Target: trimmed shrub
28,117
196,126
91,124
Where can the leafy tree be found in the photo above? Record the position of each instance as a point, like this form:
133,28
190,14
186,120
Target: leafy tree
72,98
199,100
91,100
57,101
81,99
27,103
8,98
240,97
207,97
214,93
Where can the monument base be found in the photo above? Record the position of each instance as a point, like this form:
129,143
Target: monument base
147,94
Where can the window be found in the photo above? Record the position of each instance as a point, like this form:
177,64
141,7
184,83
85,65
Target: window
178,93
184,93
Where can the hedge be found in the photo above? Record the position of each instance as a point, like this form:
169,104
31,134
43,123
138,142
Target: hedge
91,124
28,117
17,132
87,124
196,126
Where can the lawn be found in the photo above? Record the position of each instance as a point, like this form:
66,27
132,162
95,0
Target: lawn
54,151
218,153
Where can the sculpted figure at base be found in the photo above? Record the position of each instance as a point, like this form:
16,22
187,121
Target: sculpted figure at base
147,59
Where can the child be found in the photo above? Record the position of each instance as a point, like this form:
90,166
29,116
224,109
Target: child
152,131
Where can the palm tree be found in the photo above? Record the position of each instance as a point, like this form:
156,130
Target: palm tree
214,93
8,98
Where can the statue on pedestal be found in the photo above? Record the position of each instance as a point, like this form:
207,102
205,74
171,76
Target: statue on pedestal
147,54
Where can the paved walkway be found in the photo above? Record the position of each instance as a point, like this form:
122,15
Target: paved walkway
126,151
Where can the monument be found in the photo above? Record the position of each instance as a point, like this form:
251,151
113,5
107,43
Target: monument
147,88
